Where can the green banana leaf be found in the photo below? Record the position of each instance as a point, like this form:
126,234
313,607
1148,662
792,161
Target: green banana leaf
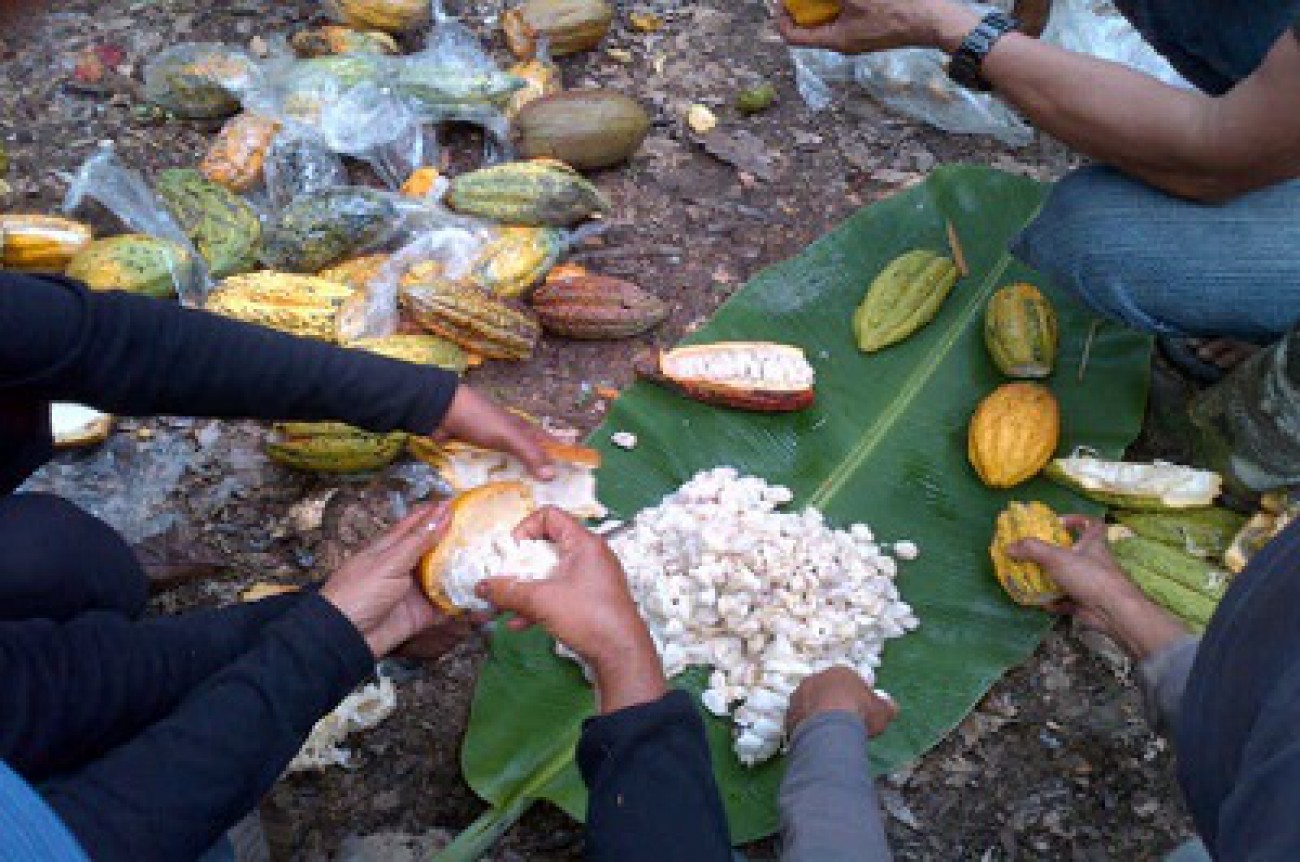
885,444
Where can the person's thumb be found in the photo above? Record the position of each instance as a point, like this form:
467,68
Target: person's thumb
507,594
805,37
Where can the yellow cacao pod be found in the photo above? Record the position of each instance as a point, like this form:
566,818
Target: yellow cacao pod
1014,433
419,348
333,39
238,152
480,323
903,298
1024,581
1020,331
390,16
332,447
357,272
301,305
518,259
537,193
133,262
568,26
40,242
420,183
812,13
541,77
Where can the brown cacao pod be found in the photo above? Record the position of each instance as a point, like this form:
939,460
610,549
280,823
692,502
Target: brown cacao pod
1024,581
478,322
746,375
1013,434
586,129
569,26
592,307
1020,331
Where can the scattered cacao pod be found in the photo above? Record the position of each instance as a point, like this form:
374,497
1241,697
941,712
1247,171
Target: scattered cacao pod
478,322
420,183
586,129
223,226
133,262
1020,331
538,193
390,16
464,467
238,152
485,509
1205,533
40,242
199,80
332,447
569,26
1186,586
517,259
322,229
1158,486
357,272
903,298
420,348
1024,581
1014,433
596,307
541,77
745,375
812,13
756,99
301,305
333,39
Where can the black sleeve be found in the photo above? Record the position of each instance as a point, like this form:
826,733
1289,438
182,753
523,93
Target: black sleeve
139,356
651,792
74,690
172,791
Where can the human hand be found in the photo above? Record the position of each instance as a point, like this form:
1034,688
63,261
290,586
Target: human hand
479,420
1101,596
876,25
840,689
586,606
376,588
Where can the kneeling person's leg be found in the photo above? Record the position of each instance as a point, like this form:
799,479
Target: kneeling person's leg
1170,266
57,561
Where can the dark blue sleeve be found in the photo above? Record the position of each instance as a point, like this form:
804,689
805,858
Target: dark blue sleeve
177,787
74,690
28,829
138,356
651,791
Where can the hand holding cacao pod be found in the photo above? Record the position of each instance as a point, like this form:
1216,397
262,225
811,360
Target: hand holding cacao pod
476,419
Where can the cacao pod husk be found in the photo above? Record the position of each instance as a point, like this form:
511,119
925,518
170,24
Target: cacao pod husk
1205,533
591,307
903,298
333,39
319,230
1020,332
745,375
301,305
420,183
1013,434
812,13
537,193
1184,585
568,26
1025,581
133,262
357,272
332,447
480,323
224,227
586,129
40,243
1253,537
1158,486
76,425
238,152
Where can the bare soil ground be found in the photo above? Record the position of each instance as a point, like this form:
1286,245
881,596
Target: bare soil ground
1057,763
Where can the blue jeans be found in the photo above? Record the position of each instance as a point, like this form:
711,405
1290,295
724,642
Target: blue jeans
1169,266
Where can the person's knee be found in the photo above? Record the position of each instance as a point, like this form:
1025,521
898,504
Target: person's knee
57,553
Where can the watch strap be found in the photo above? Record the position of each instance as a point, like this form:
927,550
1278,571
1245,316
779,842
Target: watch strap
964,67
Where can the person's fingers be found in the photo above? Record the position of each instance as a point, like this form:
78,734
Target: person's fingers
519,624
1065,607
553,525
1094,537
421,536
1077,523
810,37
528,444
1037,551
399,531
509,594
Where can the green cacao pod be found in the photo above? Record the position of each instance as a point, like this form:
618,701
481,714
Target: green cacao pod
319,230
467,315
332,447
1204,533
586,129
447,85
903,298
1020,332
223,226
518,259
756,99
133,262
199,80
538,193
1186,586
577,304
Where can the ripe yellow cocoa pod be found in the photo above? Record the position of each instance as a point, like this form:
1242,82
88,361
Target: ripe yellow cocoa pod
1013,434
40,242
813,13
1024,581
301,305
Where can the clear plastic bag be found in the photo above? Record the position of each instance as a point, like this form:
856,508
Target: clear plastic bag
323,228
125,193
371,124
200,80
300,163
914,81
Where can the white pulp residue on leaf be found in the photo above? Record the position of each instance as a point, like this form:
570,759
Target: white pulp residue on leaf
363,709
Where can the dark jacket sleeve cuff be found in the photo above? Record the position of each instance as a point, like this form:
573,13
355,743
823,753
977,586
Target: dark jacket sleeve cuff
605,735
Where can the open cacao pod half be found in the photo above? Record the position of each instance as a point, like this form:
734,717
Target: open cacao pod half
75,425
746,375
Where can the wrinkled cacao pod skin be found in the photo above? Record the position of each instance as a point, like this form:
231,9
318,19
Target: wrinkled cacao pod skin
1024,581
136,263
590,307
1020,332
1013,434
538,193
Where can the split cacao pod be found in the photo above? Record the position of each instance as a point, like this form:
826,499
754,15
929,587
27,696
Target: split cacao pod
541,77
1025,581
586,129
238,152
812,13
745,375
1182,584
322,229
480,323
1020,332
332,447
1205,533
1013,434
903,298
590,307
1158,486
419,348
40,242
390,16
537,193
333,39
568,26
518,259
133,262
223,226
301,305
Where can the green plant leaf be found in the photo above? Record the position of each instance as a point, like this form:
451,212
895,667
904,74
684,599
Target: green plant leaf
885,444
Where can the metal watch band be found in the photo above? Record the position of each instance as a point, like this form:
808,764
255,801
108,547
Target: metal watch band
964,67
